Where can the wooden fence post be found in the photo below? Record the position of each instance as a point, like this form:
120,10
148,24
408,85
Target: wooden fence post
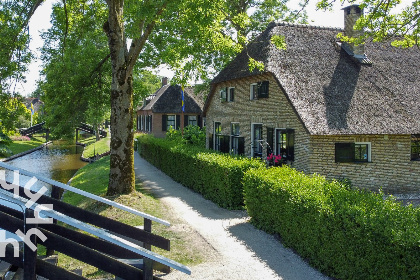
147,263
29,256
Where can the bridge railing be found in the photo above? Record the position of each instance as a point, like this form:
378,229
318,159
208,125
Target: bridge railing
110,245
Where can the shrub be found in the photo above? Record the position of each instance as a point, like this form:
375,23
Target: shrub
214,175
346,233
5,141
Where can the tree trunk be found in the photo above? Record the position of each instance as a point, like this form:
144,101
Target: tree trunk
121,175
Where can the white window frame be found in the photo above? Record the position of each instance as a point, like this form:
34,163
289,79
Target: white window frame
167,122
216,135
369,147
234,137
252,137
190,119
253,95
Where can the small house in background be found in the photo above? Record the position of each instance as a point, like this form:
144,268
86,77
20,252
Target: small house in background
326,106
37,104
163,110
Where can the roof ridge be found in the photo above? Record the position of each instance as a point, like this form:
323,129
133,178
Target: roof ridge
283,23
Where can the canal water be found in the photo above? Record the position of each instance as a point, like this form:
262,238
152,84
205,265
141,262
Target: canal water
58,161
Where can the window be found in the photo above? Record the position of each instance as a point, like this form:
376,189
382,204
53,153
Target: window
223,94
253,92
170,122
192,120
353,152
231,94
256,140
415,147
234,138
285,139
259,90
217,136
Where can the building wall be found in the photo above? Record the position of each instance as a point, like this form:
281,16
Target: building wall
390,168
274,111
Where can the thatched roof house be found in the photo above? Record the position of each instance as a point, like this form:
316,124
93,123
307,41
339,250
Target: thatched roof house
326,94
163,109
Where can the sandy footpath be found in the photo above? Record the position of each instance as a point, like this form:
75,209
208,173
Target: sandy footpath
234,249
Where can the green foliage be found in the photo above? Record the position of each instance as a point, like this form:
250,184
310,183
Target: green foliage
76,67
346,233
279,42
193,135
252,64
5,141
15,53
13,114
383,20
216,176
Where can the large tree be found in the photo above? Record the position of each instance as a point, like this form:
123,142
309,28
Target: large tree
14,54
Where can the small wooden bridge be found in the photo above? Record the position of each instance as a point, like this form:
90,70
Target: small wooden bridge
109,245
41,128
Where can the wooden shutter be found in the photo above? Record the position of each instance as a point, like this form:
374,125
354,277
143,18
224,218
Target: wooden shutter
211,142
290,140
185,121
151,123
344,152
224,144
178,121
241,145
164,119
270,140
263,89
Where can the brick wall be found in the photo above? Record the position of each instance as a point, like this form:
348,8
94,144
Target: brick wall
390,168
274,111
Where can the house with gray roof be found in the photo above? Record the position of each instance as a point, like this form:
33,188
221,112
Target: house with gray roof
326,106
163,109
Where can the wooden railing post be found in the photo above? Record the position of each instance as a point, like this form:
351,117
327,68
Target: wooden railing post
29,256
147,263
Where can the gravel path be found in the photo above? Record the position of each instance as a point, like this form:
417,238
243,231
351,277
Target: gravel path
233,248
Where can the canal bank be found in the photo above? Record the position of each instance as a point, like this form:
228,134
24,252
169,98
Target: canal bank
58,160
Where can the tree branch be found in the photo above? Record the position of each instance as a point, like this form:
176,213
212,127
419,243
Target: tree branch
138,44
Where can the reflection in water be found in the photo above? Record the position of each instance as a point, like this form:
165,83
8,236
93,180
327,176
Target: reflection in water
58,161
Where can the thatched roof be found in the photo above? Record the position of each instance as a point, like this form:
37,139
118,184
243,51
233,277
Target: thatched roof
168,100
332,93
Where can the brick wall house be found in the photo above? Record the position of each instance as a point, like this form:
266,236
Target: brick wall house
163,110
327,107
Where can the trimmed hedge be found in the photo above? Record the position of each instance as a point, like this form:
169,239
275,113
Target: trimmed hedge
346,233
214,175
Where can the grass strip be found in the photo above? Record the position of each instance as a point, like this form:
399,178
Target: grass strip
95,148
22,146
94,179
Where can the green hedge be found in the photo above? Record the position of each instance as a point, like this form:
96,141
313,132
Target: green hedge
346,233
214,175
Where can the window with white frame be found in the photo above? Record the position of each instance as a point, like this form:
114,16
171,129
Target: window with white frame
256,140
353,152
192,120
285,139
234,138
170,122
253,91
217,136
